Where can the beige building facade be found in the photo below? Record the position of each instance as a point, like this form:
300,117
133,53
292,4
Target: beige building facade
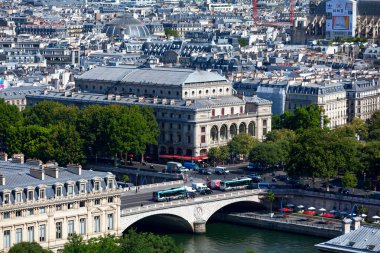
47,204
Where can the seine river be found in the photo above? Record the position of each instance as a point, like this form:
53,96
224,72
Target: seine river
229,238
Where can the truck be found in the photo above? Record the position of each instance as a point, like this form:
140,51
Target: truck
198,186
191,165
175,167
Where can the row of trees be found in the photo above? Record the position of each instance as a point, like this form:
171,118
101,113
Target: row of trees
53,131
299,144
132,242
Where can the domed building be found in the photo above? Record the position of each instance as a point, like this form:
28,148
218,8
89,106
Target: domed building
126,25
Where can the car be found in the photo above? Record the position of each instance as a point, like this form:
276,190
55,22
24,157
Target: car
255,178
205,191
205,171
344,191
221,171
283,178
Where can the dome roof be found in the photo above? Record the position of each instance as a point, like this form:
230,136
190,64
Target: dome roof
127,25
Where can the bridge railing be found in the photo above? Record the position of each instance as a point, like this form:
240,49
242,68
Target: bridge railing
183,202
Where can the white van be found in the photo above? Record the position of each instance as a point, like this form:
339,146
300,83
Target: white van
199,186
221,171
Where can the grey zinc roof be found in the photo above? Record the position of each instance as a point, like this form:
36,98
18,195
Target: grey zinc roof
17,175
216,102
359,240
20,92
162,76
257,100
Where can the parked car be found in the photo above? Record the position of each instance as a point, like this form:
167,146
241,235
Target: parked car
205,171
221,171
205,191
344,191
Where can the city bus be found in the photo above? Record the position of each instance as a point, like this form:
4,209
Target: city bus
235,184
171,194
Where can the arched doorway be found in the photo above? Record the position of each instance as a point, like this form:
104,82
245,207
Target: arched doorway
203,152
223,133
163,150
242,128
214,133
233,130
251,128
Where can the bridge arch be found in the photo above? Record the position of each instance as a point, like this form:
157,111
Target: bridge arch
196,212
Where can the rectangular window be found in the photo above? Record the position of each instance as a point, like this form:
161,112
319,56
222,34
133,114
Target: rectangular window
203,139
222,111
58,192
82,204
7,239
70,228
97,201
96,224
6,215
70,205
42,233
110,199
18,197
7,198
18,213
232,110
30,234
110,184
110,221
30,211
18,235
30,195
58,207
82,188
58,230
70,190
97,186
203,129
42,193
42,210
82,226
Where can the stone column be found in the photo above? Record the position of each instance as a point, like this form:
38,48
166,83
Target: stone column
346,226
199,227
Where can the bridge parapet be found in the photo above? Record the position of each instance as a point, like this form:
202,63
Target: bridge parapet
185,202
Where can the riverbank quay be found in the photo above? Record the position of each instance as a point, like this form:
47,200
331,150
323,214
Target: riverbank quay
293,224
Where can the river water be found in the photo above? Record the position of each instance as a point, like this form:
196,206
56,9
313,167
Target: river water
230,238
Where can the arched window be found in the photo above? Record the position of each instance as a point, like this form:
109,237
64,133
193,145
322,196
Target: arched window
223,133
242,128
214,133
233,130
251,128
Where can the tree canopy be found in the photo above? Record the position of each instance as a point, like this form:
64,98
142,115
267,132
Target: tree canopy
28,247
132,242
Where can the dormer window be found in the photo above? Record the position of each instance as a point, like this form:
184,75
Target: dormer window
18,197
110,183
70,190
30,195
82,188
7,198
97,186
42,194
58,191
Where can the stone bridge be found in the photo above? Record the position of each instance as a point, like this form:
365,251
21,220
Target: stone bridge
191,214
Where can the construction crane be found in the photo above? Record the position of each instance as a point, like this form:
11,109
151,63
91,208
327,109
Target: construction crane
291,12
254,11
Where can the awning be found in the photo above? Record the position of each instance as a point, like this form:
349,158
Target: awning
184,158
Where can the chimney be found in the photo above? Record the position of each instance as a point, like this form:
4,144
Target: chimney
18,158
163,101
141,99
67,94
155,100
188,102
3,156
172,101
357,221
34,162
38,173
2,179
117,97
75,168
346,226
51,169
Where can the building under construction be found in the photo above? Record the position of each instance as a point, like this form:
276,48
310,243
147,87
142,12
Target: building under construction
333,19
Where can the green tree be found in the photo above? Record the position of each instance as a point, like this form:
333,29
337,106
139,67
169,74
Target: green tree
241,144
271,197
374,121
267,154
10,116
125,178
214,154
349,180
28,247
171,32
242,42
